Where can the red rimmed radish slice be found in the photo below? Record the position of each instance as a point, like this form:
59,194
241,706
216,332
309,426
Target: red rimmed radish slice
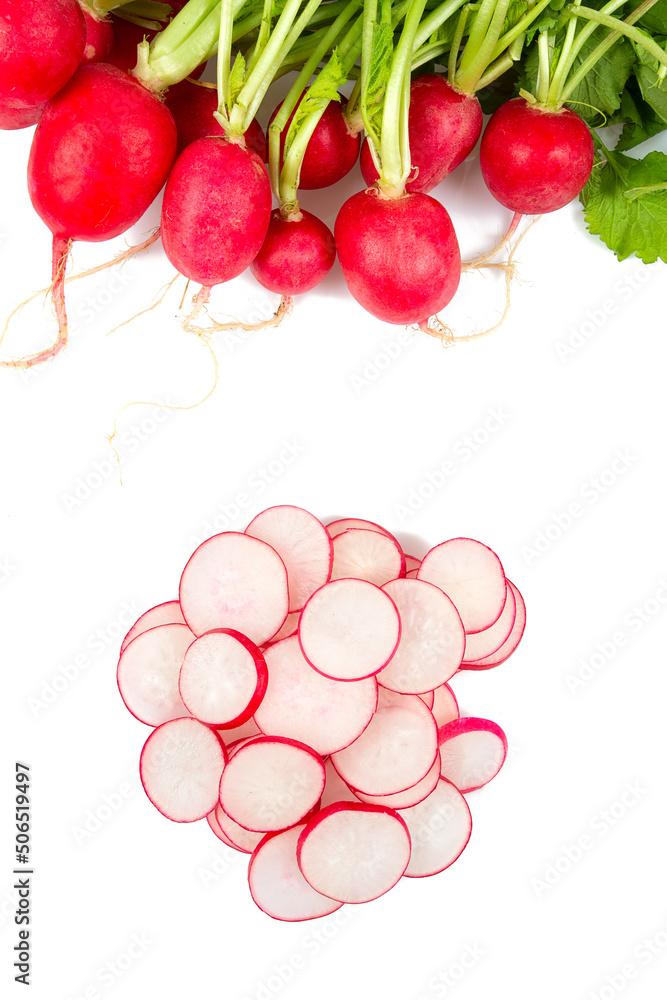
482,644
349,629
367,555
344,523
277,885
212,821
288,627
354,852
510,643
472,751
180,767
168,613
445,707
409,797
235,581
148,672
302,543
240,839
395,751
472,575
432,640
439,827
271,783
411,563
335,789
303,704
223,678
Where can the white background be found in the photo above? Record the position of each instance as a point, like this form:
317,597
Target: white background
343,415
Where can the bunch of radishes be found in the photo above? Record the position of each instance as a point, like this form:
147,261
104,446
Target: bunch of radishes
299,693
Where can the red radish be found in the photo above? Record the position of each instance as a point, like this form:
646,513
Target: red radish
342,524
168,613
335,789
13,118
332,150
180,767
367,555
349,629
472,575
400,256
481,644
223,678
444,126
409,796
302,704
534,160
439,828
512,641
445,707
99,37
148,672
212,820
354,852
472,751
302,543
297,254
276,882
271,783
238,837
235,581
192,104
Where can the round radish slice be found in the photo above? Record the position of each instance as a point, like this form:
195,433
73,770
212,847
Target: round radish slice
411,796
180,768
223,678
235,581
481,644
367,555
472,751
349,629
445,707
432,640
439,828
240,839
148,672
335,789
472,576
354,852
168,613
212,821
305,705
276,882
344,523
288,627
302,543
510,643
395,751
271,783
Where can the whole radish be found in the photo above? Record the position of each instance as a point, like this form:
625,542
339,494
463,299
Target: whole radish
297,254
99,37
332,150
193,104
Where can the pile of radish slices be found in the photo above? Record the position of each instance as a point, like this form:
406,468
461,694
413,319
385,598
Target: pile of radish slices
299,693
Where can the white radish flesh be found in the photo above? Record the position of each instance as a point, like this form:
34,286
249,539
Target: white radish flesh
148,672
223,678
472,751
481,644
277,885
168,613
512,641
288,627
409,797
471,574
367,555
344,523
180,767
240,839
439,827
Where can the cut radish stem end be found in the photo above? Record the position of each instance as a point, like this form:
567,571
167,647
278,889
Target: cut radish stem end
302,543
411,796
367,555
354,852
349,629
472,751
168,613
510,643
471,574
481,644
439,828
276,882
345,523
432,640
238,582
239,838
305,705
271,783
223,678
445,707
180,767
148,672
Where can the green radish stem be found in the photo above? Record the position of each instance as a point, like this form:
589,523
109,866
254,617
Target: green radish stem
634,34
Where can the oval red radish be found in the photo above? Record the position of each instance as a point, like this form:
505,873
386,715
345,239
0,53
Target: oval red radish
297,253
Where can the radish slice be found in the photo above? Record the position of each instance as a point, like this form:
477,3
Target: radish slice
335,789
303,544
148,674
439,828
212,821
168,613
180,768
411,796
412,563
445,707
472,751
510,643
481,644
288,627
472,576
395,751
349,629
354,852
345,523
271,783
432,640
367,555
235,581
240,839
277,885
223,678
428,697
305,705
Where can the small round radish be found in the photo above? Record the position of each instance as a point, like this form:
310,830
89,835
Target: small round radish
445,707
239,838
510,644
472,751
482,644
180,767
367,555
276,882
235,581
342,524
192,104
534,160
223,678
410,796
99,37
148,672
168,613
439,827
349,629
472,575
331,152
297,254
354,852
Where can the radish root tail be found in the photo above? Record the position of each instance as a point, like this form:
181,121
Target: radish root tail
201,301
481,260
